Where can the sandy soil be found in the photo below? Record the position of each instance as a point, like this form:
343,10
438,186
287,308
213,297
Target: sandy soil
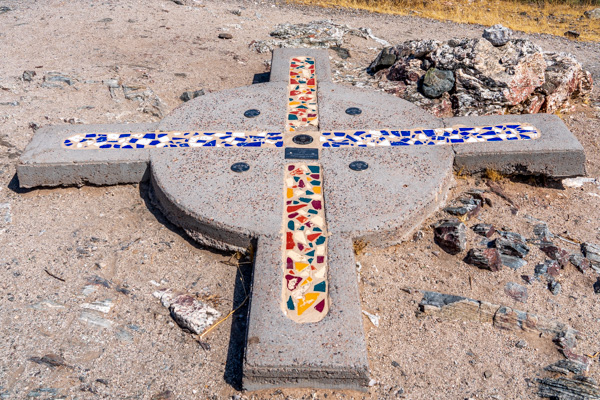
110,243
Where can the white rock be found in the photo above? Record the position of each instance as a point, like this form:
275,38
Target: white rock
373,318
103,306
94,319
189,313
578,182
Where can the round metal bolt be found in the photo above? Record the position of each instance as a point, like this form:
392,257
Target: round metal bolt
358,165
253,112
353,111
302,139
240,167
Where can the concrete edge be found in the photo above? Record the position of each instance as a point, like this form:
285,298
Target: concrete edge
346,367
557,153
44,162
280,63
207,233
404,231
314,383
79,174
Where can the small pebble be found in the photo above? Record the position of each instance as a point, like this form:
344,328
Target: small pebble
225,36
521,344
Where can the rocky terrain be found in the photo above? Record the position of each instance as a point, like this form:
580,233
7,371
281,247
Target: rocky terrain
79,266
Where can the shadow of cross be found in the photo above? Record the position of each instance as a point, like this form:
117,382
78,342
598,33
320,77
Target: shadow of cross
343,163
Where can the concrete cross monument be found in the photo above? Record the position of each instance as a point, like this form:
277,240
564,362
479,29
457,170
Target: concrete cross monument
300,167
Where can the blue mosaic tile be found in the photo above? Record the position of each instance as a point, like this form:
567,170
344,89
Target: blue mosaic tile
417,137
173,139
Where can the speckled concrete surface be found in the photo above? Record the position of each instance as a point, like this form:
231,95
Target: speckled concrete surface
556,153
46,163
198,191
280,64
379,110
225,110
385,202
328,354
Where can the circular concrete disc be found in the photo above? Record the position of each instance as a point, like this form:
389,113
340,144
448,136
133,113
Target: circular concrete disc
198,191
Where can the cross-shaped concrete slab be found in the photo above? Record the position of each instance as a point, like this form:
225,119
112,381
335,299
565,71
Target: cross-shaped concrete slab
300,167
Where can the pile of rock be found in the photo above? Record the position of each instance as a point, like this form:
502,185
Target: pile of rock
492,75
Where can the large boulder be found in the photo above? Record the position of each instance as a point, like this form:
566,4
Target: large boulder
489,78
475,77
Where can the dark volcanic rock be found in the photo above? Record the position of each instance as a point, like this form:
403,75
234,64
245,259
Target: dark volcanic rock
467,207
516,77
591,252
512,262
450,235
511,246
542,232
28,75
484,258
572,34
579,388
528,279
59,77
546,269
555,253
580,262
385,59
597,286
51,360
486,230
189,95
567,366
554,286
408,71
436,82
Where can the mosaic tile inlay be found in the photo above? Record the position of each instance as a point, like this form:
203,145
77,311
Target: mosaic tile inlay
173,139
415,137
366,138
302,101
305,287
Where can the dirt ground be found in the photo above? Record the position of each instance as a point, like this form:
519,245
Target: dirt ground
63,248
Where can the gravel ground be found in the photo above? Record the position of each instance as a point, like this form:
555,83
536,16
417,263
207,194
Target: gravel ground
65,248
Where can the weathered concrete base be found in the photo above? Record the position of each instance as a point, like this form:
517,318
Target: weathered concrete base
197,191
557,153
282,353
46,163
411,184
